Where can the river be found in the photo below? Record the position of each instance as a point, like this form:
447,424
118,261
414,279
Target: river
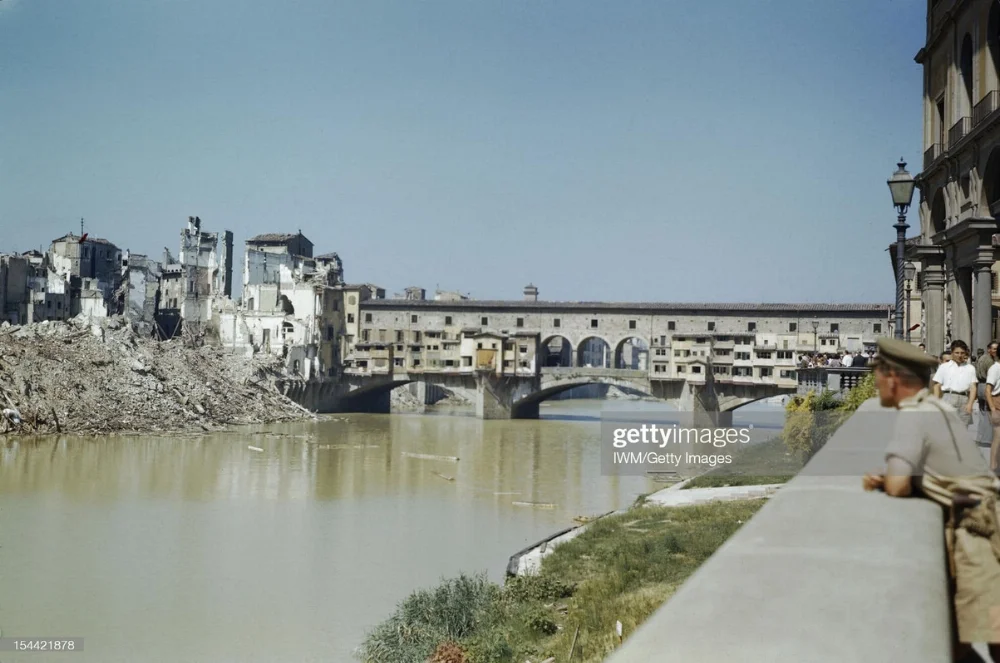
202,549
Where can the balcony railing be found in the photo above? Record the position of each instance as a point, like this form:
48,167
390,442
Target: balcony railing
959,130
831,379
932,153
986,106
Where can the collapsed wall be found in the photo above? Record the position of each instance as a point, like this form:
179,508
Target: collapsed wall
102,377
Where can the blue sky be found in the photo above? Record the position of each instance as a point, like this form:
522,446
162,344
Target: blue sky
656,150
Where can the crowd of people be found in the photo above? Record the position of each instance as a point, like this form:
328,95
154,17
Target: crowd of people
972,386
836,360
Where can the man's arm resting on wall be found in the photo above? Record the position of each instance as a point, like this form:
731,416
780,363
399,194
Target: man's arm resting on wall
897,480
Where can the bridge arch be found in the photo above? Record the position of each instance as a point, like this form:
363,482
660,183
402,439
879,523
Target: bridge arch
531,401
632,352
556,351
594,352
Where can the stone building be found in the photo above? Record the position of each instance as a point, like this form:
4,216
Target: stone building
959,186
14,293
292,306
195,285
754,344
92,268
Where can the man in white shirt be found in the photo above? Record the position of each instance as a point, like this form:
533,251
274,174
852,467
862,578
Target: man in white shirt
993,403
955,382
846,361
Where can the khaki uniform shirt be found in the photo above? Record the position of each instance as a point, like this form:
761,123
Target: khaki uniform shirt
930,437
926,437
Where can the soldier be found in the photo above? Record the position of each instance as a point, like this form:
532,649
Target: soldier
932,455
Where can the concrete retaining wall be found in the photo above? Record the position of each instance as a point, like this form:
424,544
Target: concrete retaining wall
824,572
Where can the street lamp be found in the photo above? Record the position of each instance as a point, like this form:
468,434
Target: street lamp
910,273
815,324
901,186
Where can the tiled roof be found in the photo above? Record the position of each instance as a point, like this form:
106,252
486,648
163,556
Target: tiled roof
328,256
621,307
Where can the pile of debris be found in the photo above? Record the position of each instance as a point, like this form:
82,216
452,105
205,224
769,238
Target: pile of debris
101,376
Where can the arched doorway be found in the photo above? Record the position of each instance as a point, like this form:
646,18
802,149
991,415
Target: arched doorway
594,352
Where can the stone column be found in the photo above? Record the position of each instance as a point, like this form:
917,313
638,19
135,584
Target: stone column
982,308
933,304
961,305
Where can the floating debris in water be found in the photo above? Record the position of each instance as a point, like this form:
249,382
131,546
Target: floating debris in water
537,505
254,448
451,459
438,474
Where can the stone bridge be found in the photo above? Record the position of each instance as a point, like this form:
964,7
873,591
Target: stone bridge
518,396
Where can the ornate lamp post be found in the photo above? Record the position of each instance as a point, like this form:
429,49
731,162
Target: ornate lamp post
901,186
815,324
910,273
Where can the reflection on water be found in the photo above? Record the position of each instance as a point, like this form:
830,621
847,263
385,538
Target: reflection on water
201,549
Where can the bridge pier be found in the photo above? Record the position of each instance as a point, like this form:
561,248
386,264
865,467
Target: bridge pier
497,396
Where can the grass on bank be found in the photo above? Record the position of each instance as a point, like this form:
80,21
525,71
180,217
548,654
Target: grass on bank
621,569
810,421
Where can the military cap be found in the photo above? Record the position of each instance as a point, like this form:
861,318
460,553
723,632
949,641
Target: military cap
900,354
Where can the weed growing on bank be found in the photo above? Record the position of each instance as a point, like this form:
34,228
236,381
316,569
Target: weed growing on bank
621,569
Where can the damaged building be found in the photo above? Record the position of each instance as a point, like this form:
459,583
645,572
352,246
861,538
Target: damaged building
195,286
92,269
291,305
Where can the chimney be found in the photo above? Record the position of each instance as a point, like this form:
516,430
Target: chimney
530,293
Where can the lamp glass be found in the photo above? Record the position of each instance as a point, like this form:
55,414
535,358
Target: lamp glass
901,185
909,271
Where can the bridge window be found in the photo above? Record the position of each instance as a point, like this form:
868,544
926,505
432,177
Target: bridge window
479,346
711,326
399,336
413,319
751,326
766,372
447,319
350,317
671,325
681,369
663,340
631,324
593,323
792,326
523,349
555,322
368,317
398,361
834,327
696,369
520,322
788,375
878,328
466,361
485,321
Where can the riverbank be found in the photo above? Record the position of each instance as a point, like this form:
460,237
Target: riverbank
100,377
621,569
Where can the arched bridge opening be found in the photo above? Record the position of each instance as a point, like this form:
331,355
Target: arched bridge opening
556,351
632,353
594,352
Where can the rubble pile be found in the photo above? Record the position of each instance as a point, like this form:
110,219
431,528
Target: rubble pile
85,376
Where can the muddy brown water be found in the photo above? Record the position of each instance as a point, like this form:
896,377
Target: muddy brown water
202,549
